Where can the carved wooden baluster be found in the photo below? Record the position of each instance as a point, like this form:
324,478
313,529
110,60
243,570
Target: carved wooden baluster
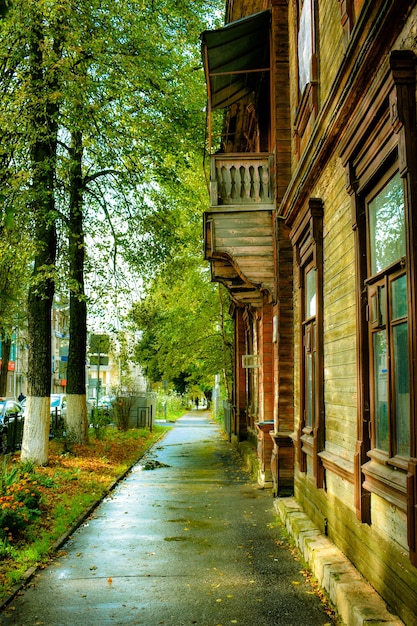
241,182
247,183
220,182
227,183
256,183
233,182
264,175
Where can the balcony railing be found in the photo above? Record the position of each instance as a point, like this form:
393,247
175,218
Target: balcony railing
241,179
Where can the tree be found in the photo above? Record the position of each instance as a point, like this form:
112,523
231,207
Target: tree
108,112
104,110
44,43
77,418
186,334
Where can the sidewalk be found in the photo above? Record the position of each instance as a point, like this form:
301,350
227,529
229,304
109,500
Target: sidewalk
187,538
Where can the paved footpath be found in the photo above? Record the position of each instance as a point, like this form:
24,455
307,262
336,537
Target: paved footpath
187,538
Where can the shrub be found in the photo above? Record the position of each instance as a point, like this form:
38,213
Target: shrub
20,495
100,420
122,410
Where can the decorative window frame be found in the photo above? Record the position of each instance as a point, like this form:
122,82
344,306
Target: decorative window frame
308,96
381,133
307,240
349,12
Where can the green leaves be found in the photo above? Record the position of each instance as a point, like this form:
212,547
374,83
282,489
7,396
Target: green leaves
183,333
126,78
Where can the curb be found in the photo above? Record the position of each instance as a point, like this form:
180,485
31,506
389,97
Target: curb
356,601
30,573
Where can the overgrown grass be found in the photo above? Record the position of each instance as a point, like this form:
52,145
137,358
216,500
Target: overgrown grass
170,406
173,415
67,487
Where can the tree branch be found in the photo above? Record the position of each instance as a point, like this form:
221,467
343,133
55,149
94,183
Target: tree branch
89,179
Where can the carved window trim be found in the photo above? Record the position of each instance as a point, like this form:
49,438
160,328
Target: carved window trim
349,14
308,88
382,137
307,240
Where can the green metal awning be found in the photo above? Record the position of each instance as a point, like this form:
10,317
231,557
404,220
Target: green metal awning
235,58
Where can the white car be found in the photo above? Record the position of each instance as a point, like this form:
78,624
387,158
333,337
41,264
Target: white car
58,405
106,402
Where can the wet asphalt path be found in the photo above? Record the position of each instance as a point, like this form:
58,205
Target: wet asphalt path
192,541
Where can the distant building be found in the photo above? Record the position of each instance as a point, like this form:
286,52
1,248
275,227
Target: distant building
59,347
17,367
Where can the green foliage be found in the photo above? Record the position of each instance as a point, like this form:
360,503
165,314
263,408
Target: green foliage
20,496
99,344
170,406
186,333
117,89
128,78
100,419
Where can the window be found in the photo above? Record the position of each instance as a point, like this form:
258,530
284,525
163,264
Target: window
305,44
388,320
307,241
310,346
307,73
379,152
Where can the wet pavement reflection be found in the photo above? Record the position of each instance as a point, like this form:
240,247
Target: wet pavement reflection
187,538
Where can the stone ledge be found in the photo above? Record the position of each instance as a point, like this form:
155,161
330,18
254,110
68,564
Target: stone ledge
356,601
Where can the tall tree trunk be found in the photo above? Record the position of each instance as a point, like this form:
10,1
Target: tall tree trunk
41,292
77,418
6,345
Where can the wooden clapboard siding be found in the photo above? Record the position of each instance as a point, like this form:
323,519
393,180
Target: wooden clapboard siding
339,314
332,45
282,127
239,245
373,553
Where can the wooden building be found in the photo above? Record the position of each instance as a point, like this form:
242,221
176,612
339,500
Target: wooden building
312,227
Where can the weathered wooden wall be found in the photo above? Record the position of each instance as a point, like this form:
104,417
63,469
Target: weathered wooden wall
379,550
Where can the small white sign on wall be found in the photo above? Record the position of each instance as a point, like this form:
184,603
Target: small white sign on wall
250,360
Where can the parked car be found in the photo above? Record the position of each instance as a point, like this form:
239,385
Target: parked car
11,424
58,404
106,402
58,410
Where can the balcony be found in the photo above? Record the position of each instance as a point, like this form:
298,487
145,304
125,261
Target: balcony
238,228
241,179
